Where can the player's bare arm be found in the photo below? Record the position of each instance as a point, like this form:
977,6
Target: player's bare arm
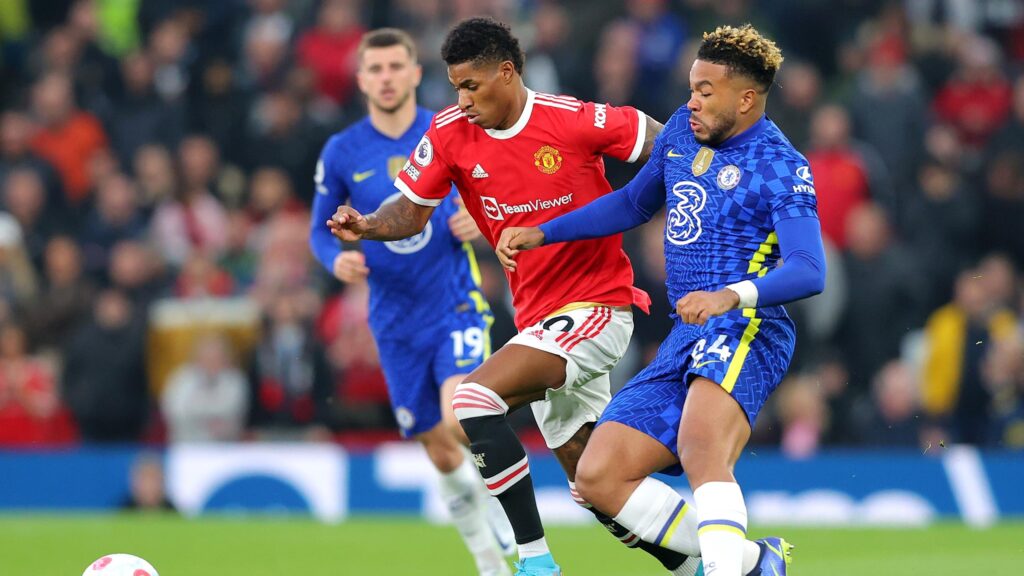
515,239
395,220
653,129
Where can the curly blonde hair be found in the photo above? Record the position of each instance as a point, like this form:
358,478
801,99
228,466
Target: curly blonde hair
743,50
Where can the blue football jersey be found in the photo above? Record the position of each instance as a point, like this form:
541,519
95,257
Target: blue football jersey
722,204
416,283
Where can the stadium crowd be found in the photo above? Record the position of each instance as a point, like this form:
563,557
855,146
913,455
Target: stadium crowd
156,168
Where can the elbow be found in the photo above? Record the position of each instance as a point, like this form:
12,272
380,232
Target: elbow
817,285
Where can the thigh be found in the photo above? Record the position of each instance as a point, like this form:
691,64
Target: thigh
466,347
747,356
412,389
520,374
591,340
623,453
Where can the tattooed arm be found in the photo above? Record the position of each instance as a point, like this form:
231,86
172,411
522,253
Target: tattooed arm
400,218
653,129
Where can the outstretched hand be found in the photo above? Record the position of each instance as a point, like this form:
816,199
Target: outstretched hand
513,240
347,224
697,307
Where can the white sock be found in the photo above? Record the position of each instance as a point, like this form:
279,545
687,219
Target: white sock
467,505
657,514
535,548
723,527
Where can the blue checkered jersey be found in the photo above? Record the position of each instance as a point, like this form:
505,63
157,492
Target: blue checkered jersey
726,208
414,283
723,204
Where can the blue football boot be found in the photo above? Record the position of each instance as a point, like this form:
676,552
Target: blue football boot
538,566
776,554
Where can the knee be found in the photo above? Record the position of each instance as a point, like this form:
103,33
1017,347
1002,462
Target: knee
444,452
471,400
595,480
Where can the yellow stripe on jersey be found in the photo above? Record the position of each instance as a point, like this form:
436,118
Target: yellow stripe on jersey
756,262
754,265
474,268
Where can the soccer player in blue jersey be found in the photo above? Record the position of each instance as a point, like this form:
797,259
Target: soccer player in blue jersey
428,316
739,201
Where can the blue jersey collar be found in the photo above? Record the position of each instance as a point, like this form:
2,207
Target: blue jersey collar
747,135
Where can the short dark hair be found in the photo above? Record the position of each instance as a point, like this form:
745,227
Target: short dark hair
385,38
480,40
743,50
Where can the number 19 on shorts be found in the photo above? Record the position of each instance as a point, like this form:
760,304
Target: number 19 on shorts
468,344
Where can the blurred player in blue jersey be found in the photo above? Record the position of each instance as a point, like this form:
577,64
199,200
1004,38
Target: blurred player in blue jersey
428,317
739,201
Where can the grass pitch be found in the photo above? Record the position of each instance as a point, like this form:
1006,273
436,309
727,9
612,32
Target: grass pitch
42,545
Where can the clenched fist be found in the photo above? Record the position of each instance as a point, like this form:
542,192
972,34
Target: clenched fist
462,225
697,307
350,266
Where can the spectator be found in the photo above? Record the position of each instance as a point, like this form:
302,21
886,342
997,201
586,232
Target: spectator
660,37
25,199
136,271
893,420
146,486
977,98
65,300
15,152
139,115
67,138
105,382
958,336
290,376
18,285
329,49
30,407
885,294
803,415
283,136
155,177
114,218
193,221
207,399
240,260
846,175
799,94
201,277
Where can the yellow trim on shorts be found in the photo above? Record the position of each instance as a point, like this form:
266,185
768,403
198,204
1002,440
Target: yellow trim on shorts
754,266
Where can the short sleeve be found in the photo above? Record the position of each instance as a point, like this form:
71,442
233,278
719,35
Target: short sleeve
426,178
791,189
617,131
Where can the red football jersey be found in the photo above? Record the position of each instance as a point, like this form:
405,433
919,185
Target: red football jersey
549,163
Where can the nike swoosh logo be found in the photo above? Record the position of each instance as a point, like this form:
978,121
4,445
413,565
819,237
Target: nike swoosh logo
360,176
672,154
705,363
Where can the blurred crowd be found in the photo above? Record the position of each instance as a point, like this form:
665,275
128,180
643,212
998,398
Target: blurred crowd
156,165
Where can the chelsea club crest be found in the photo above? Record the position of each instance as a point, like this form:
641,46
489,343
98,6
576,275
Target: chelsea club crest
729,177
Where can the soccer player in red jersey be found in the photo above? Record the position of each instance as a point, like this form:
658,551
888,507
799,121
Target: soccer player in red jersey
519,158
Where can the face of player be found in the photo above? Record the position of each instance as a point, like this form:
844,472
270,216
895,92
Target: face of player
485,92
388,77
717,100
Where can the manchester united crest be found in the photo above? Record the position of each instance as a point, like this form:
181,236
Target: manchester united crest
547,160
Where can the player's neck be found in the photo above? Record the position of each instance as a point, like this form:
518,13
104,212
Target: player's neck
394,124
516,109
744,123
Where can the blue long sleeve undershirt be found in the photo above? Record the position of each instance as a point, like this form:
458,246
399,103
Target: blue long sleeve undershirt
801,275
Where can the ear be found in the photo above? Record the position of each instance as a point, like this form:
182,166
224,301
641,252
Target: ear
507,70
360,80
417,75
748,99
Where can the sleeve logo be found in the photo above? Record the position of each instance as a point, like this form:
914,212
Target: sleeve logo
424,153
600,115
804,173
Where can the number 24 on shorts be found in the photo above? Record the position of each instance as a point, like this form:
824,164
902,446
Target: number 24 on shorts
468,343
717,348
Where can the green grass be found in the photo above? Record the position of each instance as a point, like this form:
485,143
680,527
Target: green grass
41,545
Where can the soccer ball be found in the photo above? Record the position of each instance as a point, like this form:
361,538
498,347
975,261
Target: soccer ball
120,565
